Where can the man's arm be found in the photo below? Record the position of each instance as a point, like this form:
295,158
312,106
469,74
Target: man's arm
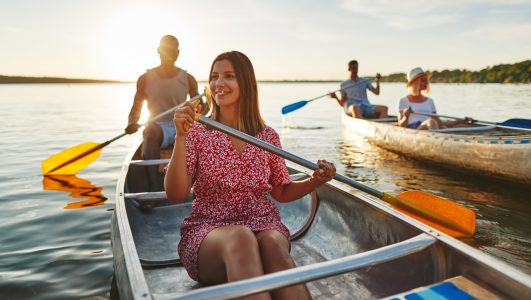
376,90
341,101
193,91
136,109
192,86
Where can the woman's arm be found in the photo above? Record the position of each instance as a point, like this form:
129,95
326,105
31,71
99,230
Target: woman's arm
404,117
177,182
297,189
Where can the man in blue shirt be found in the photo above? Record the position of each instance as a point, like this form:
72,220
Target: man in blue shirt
354,95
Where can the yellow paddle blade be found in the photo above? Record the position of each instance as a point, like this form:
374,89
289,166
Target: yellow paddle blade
71,160
438,212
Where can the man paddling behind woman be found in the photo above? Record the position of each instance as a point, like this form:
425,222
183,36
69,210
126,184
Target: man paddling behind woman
164,87
354,95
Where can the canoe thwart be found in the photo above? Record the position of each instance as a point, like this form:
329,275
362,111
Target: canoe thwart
146,263
150,162
146,196
147,200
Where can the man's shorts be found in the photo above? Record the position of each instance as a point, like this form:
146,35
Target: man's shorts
168,134
414,125
367,110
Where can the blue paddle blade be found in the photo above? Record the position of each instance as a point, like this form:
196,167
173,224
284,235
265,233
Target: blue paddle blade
520,123
294,106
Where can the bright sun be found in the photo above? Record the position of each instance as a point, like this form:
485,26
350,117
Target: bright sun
127,48
130,41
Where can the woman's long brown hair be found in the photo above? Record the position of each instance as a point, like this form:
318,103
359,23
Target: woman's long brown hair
249,120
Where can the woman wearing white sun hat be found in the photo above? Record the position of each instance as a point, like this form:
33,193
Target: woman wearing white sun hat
416,101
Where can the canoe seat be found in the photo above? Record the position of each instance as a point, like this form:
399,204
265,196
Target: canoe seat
459,287
148,200
150,162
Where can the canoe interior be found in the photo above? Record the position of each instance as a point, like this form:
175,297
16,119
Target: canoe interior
331,235
327,224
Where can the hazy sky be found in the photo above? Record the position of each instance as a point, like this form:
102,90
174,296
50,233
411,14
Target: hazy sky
285,39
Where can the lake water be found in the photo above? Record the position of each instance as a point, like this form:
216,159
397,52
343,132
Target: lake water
55,234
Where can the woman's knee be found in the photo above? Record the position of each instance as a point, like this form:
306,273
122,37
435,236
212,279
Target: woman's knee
274,244
225,250
433,124
239,241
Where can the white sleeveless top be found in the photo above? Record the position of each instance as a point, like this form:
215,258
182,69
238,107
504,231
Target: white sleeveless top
428,106
165,93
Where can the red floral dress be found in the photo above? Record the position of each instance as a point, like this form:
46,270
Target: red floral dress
229,188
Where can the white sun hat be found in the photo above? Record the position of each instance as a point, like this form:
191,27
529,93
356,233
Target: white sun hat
416,73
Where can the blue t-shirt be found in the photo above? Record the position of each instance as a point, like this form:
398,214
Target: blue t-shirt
356,91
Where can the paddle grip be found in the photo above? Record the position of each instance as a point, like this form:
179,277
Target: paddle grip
186,126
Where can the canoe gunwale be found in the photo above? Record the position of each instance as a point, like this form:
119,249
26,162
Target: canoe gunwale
311,272
129,276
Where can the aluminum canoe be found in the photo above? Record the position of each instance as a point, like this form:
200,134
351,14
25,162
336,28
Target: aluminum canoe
346,244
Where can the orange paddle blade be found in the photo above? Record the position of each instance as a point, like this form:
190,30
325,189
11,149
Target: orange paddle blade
72,160
437,212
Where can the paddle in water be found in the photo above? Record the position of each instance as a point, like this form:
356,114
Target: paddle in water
75,159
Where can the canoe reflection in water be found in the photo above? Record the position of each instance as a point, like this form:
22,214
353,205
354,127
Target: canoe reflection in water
78,188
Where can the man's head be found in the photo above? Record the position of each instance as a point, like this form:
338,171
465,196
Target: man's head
353,67
168,49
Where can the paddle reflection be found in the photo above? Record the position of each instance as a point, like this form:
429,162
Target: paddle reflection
78,188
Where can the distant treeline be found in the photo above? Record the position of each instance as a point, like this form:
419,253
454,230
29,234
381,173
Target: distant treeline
21,79
506,73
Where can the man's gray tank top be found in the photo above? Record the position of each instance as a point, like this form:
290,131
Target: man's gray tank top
165,93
